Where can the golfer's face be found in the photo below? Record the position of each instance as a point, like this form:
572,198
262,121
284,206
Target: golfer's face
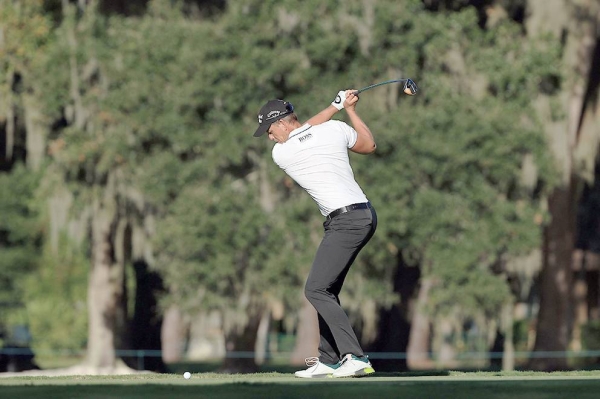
276,131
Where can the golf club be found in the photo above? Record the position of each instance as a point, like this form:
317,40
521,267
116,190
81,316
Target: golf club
410,87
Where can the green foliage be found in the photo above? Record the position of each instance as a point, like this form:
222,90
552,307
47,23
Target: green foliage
20,235
44,290
446,178
521,334
451,149
25,30
166,106
221,251
590,335
55,298
27,36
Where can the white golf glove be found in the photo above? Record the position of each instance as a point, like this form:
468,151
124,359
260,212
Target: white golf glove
339,100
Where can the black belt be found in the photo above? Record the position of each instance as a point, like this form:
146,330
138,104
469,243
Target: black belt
348,208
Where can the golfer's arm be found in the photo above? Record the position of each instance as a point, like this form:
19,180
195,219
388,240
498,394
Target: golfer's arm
365,143
323,116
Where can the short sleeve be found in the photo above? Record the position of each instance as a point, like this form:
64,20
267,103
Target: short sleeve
350,134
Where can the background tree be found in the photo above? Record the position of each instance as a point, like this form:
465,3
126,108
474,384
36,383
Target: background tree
139,119
20,235
574,138
24,33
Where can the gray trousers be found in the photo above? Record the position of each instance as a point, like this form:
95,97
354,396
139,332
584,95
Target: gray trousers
345,235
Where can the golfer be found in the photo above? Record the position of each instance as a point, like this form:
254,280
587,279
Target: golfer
315,155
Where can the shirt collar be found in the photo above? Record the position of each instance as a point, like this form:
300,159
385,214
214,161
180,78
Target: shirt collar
299,130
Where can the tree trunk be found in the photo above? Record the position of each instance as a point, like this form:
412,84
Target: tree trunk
8,107
418,343
146,322
36,132
206,336
262,338
552,333
579,296
173,331
574,143
106,305
240,344
594,294
508,349
307,335
446,350
394,323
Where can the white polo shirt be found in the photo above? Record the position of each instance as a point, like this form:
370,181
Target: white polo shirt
316,157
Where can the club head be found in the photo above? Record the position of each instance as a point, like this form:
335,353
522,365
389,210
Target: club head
410,87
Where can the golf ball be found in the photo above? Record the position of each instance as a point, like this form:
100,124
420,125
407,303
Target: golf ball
187,375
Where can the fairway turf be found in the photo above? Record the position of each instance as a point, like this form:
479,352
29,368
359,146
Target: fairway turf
275,385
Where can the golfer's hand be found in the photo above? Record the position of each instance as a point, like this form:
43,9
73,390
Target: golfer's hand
339,100
351,98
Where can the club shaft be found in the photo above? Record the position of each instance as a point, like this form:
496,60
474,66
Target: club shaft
380,84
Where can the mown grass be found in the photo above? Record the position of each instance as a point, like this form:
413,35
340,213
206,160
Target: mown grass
454,385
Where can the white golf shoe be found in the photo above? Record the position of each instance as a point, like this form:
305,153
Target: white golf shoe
353,366
316,369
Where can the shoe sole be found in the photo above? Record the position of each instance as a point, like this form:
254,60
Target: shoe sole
360,373
314,376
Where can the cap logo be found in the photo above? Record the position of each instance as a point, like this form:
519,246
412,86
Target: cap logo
260,118
273,114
